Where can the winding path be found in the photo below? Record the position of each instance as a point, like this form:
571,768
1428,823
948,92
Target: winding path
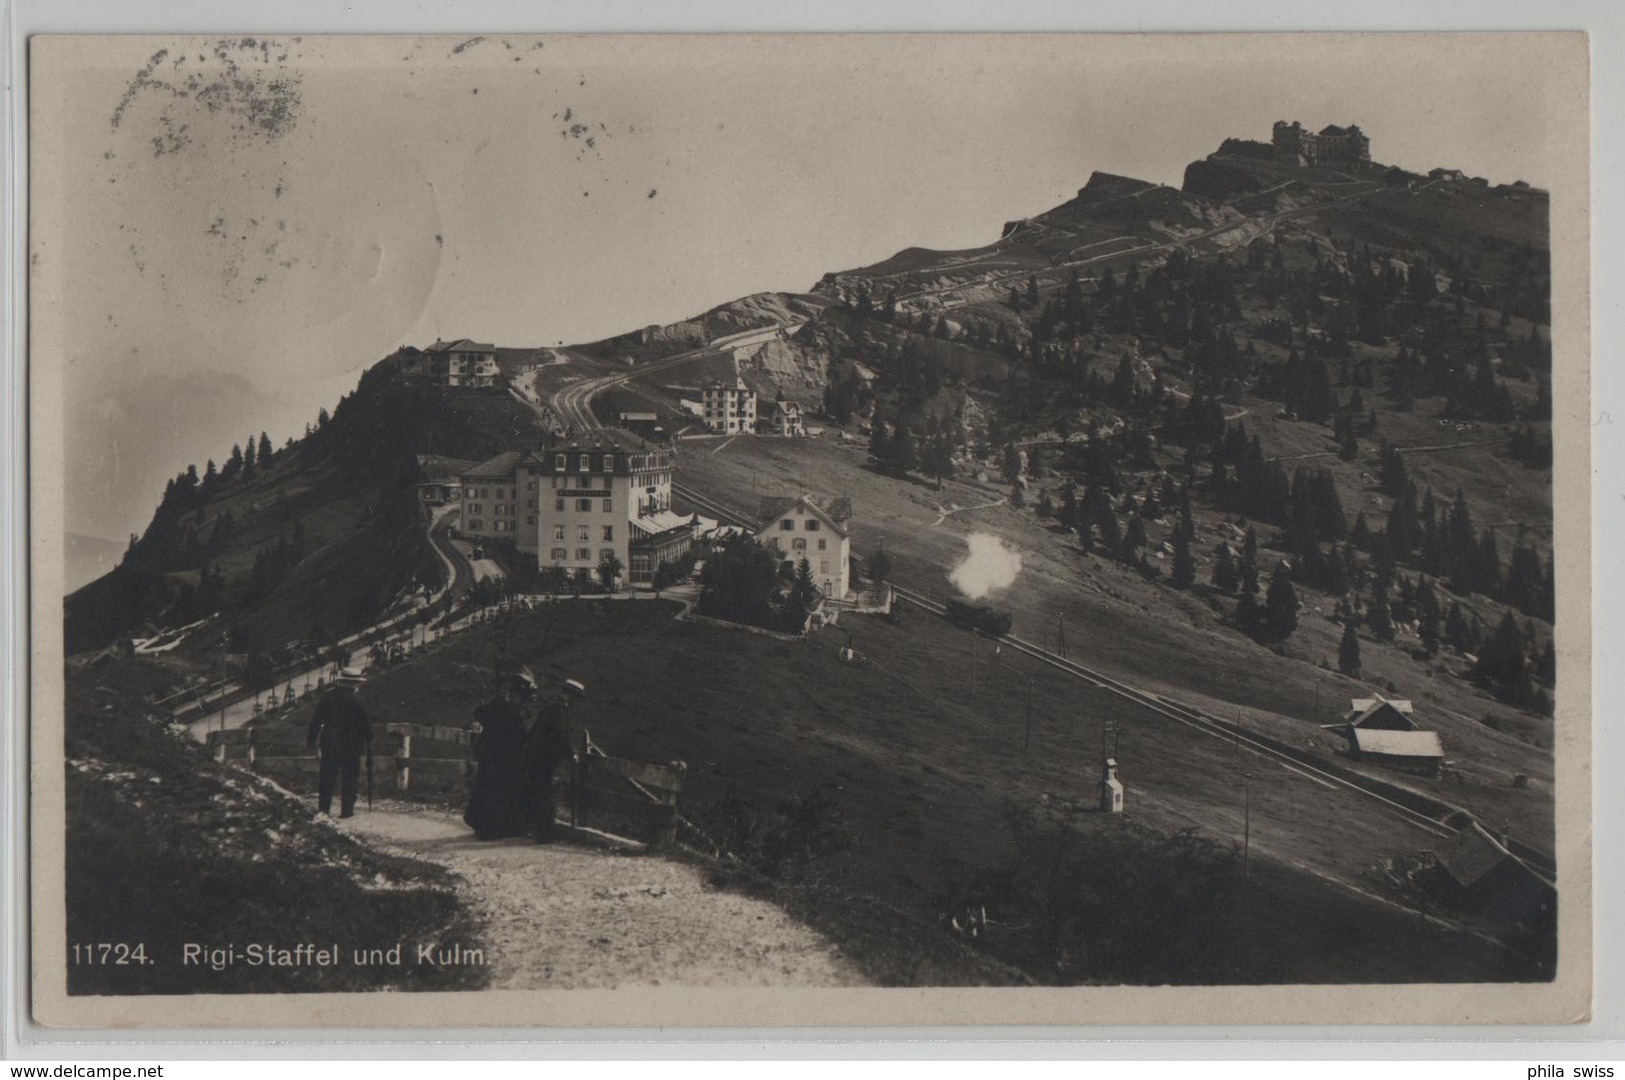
561,916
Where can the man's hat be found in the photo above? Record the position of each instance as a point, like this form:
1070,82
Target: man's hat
523,681
575,687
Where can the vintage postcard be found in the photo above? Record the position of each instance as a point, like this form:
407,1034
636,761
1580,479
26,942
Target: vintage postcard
809,530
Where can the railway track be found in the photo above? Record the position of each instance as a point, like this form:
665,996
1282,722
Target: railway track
1446,821
721,511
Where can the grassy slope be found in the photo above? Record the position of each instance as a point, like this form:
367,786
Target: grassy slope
165,847
924,769
1127,627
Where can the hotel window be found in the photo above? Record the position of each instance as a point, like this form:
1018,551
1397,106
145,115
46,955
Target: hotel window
822,543
823,566
558,461
530,504
584,554
560,554
605,553
799,544
609,534
558,505
609,506
584,505
787,525
609,463
530,519
582,534
558,532
585,464
812,524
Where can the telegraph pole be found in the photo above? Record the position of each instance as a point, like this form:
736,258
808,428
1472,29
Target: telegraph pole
1027,744
1246,826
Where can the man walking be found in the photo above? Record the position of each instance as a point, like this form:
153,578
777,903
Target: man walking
340,732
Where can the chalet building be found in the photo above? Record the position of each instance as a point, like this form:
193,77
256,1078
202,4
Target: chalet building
1382,731
799,528
490,499
784,418
607,493
730,408
1478,873
1330,146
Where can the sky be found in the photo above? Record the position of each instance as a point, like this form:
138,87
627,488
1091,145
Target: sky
226,232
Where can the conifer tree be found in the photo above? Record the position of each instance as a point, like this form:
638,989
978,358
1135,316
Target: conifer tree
1225,576
1248,570
1281,603
1348,651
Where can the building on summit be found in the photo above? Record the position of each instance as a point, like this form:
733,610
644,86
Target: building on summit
460,363
1331,145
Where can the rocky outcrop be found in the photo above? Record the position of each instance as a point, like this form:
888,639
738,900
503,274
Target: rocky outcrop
1215,178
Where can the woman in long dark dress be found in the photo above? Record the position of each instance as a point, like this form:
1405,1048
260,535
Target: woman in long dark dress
500,805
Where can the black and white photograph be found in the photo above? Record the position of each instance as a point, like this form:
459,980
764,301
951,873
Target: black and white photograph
794,528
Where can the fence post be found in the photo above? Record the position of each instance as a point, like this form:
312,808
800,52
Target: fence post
667,836
575,790
403,765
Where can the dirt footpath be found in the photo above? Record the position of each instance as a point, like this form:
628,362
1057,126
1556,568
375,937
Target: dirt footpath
564,917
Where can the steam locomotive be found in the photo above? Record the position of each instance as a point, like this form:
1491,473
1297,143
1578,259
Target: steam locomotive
979,617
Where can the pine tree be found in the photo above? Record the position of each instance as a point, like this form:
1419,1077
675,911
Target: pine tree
266,451
1224,570
1502,659
1281,603
1184,573
1379,617
1134,540
1248,569
1427,627
879,444
1348,651
1248,613
1456,630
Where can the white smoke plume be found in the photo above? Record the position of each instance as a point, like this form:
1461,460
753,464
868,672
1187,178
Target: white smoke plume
986,568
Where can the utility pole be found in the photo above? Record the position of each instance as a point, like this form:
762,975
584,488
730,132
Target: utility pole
1027,744
1246,826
